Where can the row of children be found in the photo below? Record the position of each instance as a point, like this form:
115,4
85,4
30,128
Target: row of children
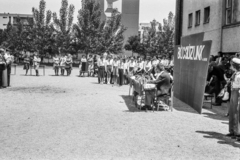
63,63
116,69
32,61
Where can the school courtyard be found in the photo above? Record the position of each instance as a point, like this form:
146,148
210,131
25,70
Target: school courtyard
72,118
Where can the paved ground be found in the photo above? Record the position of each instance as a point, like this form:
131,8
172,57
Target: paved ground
69,118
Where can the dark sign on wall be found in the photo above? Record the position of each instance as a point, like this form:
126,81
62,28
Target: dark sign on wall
190,70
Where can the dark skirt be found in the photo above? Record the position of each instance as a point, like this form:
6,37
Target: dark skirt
109,69
84,67
114,70
26,66
131,69
101,71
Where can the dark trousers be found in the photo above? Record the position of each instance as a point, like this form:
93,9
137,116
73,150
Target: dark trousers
9,74
234,113
121,77
62,71
217,89
1,74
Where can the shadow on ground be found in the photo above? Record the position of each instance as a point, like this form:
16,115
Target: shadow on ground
217,112
130,104
221,137
182,107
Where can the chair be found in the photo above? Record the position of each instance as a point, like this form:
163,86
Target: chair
162,97
206,96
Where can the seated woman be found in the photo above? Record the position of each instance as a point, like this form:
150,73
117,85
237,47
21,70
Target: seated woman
162,83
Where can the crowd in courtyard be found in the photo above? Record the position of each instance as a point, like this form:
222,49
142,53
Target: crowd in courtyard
223,76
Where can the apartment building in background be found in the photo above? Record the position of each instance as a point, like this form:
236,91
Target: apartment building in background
218,19
5,18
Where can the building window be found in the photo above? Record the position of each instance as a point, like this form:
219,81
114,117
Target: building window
190,20
4,17
206,15
198,17
228,11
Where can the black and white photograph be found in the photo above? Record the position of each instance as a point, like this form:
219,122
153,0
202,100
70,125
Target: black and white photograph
119,79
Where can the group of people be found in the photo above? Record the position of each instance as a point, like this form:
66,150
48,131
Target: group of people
62,63
224,75
32,61
6,60
116,70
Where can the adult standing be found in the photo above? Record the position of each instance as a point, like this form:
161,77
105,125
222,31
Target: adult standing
56,63
69,64
2,67
62,64
9,61
26,62
234,111
109,68
36,63
83,65
121,70
101,69
115,70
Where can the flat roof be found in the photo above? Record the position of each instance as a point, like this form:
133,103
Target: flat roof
16,15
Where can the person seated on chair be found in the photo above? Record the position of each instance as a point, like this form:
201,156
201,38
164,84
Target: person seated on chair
162,83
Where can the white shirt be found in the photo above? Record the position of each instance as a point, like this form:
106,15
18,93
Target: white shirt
155,62
148,65
165,62
115,63
131,64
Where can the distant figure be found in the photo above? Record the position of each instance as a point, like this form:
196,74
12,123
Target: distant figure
36,63
56,63
62,64
2,67
26,62
69,64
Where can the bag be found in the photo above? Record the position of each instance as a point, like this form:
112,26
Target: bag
226,96
221,94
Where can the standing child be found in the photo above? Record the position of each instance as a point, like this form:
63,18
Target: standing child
36,63
69,64
62,64
83,66
56,63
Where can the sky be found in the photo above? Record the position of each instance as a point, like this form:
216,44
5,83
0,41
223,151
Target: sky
149,9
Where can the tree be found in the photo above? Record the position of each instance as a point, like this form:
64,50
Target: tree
151,38
134,44
112,38
15,37
63,26
88,26
158,38
41,32
167,34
